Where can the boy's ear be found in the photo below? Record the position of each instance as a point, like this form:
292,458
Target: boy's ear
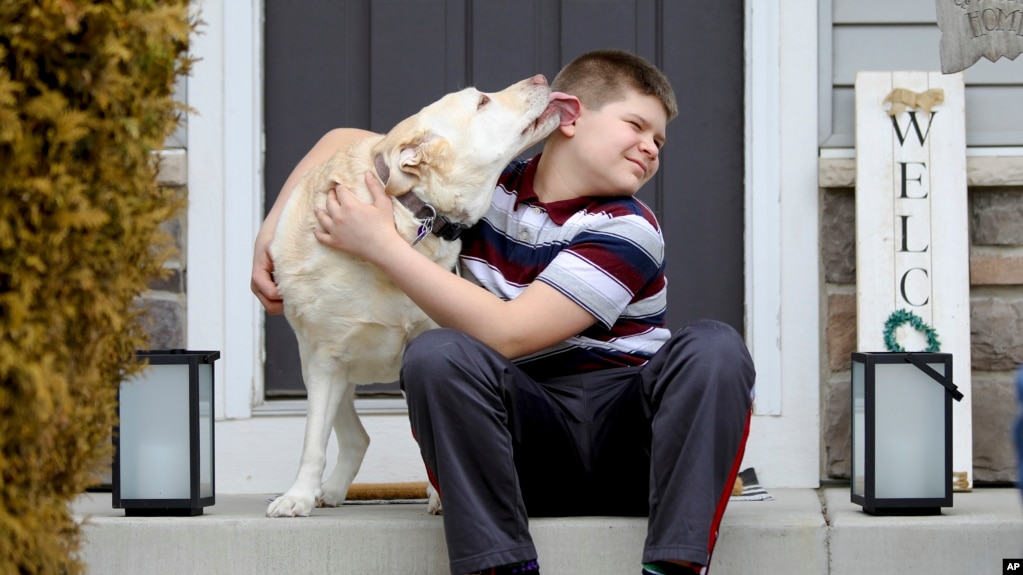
568,105
571,109
568,129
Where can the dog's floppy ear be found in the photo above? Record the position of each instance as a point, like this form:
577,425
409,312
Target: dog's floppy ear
400,166
398,170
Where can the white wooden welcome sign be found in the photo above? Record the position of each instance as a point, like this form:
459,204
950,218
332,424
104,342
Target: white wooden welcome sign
912,242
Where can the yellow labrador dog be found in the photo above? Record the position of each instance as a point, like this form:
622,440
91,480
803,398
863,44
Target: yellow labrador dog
440,167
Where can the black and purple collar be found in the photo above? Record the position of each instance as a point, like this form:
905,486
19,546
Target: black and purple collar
430,221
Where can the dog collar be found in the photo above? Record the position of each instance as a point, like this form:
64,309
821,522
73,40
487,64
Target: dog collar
430,220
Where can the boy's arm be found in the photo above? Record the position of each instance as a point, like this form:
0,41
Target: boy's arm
262,283
538,318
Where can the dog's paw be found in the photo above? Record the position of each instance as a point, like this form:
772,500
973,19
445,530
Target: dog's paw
330,499
433,507
290,505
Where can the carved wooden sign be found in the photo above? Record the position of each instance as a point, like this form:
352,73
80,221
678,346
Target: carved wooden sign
912,228
974,28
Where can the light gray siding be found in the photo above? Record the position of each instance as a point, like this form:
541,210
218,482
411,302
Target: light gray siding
860,35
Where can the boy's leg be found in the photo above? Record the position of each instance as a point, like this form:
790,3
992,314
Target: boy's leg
469,407
700,387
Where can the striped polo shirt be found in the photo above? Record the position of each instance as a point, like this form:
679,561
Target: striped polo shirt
606,254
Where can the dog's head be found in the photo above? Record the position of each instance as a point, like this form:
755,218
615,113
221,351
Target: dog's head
452,152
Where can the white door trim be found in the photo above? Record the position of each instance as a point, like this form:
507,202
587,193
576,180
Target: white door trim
782,271
225,187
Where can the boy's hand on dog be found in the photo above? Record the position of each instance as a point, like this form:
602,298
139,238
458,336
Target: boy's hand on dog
262,282
360,229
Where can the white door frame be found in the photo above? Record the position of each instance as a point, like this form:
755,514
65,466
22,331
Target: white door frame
782,242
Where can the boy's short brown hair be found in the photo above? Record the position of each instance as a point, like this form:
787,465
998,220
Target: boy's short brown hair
601,76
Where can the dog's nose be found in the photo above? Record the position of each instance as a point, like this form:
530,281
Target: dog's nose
539,80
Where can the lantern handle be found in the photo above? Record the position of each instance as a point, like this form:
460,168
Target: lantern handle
942,379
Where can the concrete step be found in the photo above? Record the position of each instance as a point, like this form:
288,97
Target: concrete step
802,531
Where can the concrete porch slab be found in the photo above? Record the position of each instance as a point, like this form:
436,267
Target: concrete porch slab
973,536
801,531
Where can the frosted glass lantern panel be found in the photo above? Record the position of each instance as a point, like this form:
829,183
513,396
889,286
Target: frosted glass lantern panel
154,434
205,430
909,435
859,422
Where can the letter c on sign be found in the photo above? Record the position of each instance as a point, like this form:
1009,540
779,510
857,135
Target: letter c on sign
902,287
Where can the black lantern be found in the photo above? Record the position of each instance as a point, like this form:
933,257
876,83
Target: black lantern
902,432
163,447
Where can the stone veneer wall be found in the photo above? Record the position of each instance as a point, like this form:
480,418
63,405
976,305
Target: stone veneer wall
995,188
165,297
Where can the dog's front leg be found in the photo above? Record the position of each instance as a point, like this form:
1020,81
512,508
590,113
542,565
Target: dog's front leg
352,443
324,396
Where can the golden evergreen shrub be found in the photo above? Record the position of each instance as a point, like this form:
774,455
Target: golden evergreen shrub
86,96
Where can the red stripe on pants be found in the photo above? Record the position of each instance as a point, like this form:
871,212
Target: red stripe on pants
727,493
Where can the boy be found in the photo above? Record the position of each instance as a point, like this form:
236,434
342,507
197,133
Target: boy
553,387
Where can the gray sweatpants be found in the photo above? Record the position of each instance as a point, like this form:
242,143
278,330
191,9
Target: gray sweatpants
664,440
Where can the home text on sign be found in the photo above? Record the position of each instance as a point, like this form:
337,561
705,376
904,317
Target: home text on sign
974,28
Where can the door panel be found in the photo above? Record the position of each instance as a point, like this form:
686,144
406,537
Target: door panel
370,63
702,186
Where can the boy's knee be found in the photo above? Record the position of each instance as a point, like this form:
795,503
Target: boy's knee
431,348
432,352
715,339
718,345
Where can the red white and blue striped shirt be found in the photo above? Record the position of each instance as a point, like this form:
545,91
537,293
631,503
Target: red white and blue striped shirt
606,254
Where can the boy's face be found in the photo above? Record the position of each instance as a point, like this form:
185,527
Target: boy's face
620,144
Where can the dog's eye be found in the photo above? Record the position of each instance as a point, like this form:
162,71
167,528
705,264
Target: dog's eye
484,100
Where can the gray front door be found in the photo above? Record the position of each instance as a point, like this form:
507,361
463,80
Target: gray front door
370,63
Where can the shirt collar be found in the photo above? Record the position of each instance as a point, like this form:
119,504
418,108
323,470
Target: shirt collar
559,211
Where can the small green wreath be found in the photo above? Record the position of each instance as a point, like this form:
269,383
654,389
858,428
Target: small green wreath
900,317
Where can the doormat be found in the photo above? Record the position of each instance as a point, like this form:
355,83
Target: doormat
379,493
415,492
751,489
375,493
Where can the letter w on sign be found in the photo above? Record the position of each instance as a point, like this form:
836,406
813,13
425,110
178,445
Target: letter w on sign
974,28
